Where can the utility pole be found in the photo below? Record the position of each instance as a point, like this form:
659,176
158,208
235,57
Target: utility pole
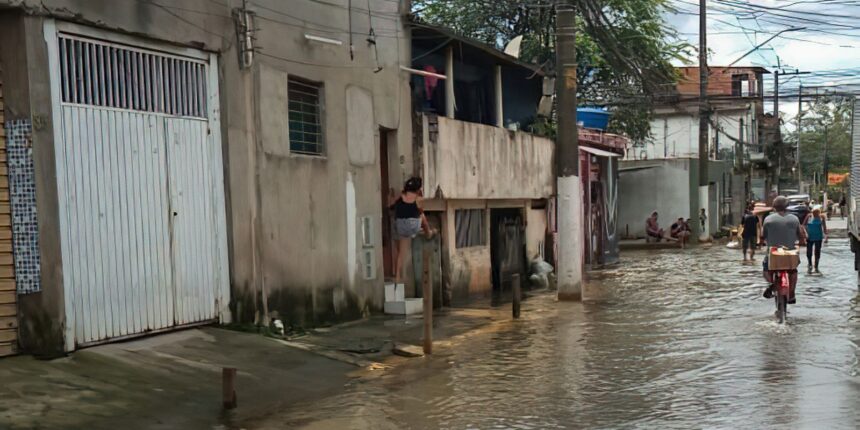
569,188
824,168
776,95
799,135
704,120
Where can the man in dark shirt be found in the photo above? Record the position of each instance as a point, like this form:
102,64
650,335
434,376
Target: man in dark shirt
750,234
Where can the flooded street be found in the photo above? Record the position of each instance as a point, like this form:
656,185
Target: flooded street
668,339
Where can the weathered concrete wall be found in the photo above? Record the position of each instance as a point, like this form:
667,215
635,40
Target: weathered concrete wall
646,186
535,232
474,161
309,208
23,59
469,269
676,134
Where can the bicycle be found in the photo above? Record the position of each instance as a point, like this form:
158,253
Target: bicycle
782,262
782,292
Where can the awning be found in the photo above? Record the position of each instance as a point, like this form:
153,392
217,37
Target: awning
598,152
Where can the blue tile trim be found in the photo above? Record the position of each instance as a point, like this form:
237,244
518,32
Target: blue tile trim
22,188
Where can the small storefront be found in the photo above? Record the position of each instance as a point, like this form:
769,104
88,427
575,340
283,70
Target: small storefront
599,154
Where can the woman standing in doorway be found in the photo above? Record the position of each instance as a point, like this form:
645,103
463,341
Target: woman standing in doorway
409,220
816,232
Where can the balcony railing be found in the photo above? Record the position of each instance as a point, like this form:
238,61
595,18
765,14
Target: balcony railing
463,160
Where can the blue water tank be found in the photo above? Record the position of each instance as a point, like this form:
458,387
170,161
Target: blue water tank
591,117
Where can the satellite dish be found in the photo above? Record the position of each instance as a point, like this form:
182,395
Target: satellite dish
513,47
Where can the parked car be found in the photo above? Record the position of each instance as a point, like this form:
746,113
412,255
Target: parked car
798,204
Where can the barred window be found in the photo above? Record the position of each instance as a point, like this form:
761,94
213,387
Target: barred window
469,228
306,136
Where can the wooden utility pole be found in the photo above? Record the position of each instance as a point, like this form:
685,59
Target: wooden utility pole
427,295
517,295
799,136
569,188
824,166
228,388
776,95
704,123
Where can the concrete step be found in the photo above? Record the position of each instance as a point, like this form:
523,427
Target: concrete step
404,307
395,292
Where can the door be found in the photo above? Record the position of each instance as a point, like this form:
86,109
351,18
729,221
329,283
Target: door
385,190
140,185
8,286
191,162
598,227
507,249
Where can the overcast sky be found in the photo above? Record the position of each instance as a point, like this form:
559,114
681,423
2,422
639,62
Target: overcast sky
829,45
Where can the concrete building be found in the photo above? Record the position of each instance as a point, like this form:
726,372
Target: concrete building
486,179
185,162
662,174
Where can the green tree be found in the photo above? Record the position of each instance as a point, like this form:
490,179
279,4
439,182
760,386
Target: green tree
624,47
827,120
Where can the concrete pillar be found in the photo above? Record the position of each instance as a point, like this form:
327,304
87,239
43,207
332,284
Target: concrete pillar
500,111
24,57
450,104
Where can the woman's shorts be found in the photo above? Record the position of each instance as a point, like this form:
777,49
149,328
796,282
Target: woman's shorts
407,227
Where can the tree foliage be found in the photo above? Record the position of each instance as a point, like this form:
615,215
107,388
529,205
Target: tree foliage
624,47
827,120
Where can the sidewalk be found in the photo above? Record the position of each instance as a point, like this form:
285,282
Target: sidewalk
170,381
369,343
173,381
642,244
838,227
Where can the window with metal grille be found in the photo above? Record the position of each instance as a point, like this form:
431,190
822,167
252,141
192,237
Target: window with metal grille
469,228
306,136
110,75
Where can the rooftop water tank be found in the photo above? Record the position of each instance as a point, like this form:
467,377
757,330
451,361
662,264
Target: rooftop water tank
592,117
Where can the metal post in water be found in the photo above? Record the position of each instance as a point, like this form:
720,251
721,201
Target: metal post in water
428,302
228,388
518,293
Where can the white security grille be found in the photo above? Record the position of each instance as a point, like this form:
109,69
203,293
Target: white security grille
104,74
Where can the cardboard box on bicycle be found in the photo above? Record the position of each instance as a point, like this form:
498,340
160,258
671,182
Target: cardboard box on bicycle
783,259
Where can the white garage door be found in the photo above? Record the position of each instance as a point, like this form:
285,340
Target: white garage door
140,188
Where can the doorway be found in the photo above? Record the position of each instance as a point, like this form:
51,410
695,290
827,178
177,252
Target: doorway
386,191
507,249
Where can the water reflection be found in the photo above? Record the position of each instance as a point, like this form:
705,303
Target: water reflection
668,339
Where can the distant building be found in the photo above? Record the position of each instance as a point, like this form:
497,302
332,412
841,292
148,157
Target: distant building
662,173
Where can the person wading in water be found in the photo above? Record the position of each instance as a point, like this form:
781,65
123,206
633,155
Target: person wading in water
816,232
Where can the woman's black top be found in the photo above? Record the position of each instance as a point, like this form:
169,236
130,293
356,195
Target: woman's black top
406,210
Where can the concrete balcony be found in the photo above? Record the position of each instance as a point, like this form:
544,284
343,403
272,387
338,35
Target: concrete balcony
464,160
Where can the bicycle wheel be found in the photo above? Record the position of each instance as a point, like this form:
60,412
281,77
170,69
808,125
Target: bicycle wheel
781,307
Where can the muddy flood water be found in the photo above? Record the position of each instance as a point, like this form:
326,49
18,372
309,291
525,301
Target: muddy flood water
668,339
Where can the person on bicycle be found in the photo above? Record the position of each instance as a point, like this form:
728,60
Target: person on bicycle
782,230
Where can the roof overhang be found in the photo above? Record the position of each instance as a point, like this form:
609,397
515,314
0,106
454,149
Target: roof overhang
598,152
421,30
